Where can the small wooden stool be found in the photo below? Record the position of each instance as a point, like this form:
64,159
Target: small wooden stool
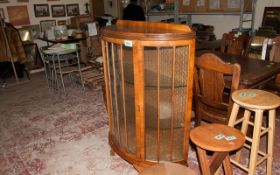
257,101
167,168
215,137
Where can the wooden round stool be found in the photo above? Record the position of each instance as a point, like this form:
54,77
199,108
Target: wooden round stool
167,168
256,101
220,139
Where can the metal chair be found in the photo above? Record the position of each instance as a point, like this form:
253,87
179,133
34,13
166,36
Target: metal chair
60,62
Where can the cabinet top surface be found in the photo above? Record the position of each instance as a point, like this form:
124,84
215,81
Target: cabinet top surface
148,30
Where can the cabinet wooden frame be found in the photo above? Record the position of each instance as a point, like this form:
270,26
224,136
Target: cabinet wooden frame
128,47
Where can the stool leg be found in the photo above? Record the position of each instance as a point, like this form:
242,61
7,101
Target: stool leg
203,161
215,163
271,125
233,115
256,142
227,166
244,129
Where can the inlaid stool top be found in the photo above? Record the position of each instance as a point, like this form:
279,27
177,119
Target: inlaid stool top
167,168
256,99
217,137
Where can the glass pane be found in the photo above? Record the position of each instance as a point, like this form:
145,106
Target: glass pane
164,110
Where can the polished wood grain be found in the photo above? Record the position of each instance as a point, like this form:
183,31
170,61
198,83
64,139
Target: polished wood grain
254,72
139,79
213,104
256,99
204,139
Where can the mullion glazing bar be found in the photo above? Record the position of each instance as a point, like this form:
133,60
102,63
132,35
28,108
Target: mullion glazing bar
115,92
173,101
123,95
158,103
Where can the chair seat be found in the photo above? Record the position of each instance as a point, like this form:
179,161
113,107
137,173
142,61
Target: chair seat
167,169
256,99
204,137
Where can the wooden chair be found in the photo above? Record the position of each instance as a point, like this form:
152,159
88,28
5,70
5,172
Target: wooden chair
215,80
274,56
234,44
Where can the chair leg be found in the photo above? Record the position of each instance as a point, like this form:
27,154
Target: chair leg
256,142
271,125
233,115
197,117
244,129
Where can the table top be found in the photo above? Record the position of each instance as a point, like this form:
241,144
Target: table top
253,71
69,40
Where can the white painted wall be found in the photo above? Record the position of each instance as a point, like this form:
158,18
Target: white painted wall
222,23
36,20
111,10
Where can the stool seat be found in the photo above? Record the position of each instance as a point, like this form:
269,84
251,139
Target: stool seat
220,139
167,168
256,99
204,137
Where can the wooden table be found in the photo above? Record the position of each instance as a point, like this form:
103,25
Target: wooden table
83,50
254,72
54,41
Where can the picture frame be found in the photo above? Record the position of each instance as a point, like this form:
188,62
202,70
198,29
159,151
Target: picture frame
25,34
41,10
2,13
61,22
215,5
35,30
47,25
72,9
271,18
18,15
58,10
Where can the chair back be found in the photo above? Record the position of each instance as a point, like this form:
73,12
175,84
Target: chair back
274,54
234,44
215,80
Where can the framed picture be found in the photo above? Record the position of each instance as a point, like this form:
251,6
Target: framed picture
47,25
25,34
41,10
72,9
18,15
214,5
35,30
271,18
61,22
2,14
58,10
